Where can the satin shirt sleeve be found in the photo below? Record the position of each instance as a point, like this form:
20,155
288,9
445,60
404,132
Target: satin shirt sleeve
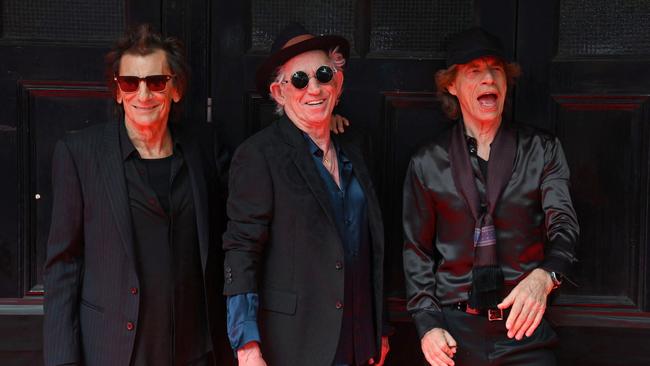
561,223
419,222
242,319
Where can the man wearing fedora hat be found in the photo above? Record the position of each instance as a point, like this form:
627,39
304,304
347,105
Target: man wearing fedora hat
304,243
489,228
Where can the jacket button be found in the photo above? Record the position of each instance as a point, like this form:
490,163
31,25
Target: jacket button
339,305
228,269
129,326
338,265
134,290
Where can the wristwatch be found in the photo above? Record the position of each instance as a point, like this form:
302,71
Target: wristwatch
556,278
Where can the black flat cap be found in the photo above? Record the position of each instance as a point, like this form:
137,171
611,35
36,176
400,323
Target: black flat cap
474,43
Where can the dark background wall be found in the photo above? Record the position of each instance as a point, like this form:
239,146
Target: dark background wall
586,67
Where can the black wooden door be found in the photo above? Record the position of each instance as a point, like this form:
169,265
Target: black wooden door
52,81
585,78
388,93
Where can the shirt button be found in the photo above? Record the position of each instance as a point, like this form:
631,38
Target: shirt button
338,265
129,326
348,222
134,290
339,305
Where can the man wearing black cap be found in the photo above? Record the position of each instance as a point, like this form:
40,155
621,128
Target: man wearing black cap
304,244
489,228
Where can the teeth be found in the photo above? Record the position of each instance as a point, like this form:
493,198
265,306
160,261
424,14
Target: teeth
317,102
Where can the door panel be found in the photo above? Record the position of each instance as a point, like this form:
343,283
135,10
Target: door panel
585,78
51,82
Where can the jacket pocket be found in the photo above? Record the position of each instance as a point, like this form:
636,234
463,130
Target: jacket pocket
279,301
91,306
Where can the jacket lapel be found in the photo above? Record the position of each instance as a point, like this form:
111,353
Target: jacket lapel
112,171
305,165
199,194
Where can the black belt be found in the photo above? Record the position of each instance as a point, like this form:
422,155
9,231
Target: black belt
492,314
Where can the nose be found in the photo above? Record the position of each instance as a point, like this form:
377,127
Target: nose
488,76
143,91
313,86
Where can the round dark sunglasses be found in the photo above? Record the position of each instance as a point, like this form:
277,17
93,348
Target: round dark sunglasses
300,79
155,83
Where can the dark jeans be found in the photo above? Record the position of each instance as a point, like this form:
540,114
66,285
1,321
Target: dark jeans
482,342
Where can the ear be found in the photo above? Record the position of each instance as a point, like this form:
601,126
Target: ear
451,88
276,92
176,96
118,96
339,77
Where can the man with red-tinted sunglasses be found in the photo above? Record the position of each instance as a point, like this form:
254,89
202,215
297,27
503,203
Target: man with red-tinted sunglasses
133,257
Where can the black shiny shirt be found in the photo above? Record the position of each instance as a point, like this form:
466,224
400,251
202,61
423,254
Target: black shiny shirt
535,223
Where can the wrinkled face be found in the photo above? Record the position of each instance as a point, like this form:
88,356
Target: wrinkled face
144,108
311,106
481,87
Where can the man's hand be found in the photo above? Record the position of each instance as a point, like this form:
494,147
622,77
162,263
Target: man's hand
338,123
250,355
528,301
385,347
438,347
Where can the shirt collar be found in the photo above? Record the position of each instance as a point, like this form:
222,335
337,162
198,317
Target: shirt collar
316,151
128,149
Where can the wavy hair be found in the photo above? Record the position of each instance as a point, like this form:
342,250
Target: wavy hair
144,40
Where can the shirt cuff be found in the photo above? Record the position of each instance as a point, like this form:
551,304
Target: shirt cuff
242,319
427,320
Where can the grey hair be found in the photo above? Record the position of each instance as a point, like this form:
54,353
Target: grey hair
336,59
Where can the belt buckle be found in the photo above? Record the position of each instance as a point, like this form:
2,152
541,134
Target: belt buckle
495,314
470,310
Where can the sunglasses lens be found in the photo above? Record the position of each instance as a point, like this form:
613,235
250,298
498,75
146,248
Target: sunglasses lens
128,83
299,79
324,74
157,82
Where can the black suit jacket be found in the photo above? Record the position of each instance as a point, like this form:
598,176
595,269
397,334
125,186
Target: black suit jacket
282,243
535,222
90,277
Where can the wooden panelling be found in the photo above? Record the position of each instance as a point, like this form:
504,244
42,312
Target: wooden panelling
260,112
409,120
605,141
47,111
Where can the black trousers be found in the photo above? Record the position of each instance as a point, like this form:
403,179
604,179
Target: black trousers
482,342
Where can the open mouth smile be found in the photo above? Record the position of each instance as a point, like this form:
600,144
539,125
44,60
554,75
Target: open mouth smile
316,102
488,100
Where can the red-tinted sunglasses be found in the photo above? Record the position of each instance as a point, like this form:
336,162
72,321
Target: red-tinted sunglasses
130,84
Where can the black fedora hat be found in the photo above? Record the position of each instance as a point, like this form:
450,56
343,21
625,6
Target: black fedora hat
474,43
293,40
